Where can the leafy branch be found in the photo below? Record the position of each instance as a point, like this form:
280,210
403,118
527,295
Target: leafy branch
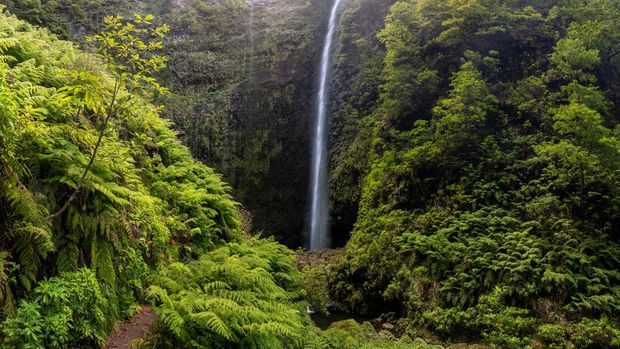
129,49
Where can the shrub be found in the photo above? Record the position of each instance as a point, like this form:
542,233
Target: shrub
554,336
349,334
68,311
588,333
315,288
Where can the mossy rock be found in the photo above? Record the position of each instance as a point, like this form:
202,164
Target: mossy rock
354,328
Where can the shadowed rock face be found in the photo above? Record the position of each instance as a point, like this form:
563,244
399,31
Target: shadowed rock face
243,76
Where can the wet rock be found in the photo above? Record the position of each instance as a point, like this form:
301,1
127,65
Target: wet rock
388,326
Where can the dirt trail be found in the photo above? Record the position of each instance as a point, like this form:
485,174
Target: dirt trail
133,329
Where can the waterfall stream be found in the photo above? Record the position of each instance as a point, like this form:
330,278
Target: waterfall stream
319,228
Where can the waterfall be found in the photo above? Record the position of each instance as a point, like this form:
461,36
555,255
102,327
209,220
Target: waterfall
319,228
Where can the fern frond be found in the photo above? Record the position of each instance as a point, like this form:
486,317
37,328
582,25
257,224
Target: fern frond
7,59
24,204
31,245
67,258
215,285
213,323
7,44
102,262
175,322
6,296
158,294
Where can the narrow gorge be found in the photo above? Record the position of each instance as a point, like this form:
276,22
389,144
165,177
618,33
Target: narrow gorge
309,174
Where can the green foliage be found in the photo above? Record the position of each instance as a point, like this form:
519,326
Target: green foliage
553,335
239,296
349,334
461,115
586,333
572,61
91,177
316,289
488,205
68,18
68,311
131,50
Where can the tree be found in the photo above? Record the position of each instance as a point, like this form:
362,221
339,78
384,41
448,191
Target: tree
461,116
129,51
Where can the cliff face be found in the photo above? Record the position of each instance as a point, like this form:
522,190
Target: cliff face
244,81
243,76
69,19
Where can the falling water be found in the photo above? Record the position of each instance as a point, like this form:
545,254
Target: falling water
319,229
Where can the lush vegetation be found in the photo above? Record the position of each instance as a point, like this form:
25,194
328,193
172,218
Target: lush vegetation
71,19
72,310
485,168
95,187
240,295
475,157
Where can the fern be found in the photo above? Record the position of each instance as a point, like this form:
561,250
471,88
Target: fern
6,296
213,323
28,234
67,258
175,323
24,203
230,297
102,261
5,45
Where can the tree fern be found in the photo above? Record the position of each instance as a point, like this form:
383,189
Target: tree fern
102,260
67,258
28,233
